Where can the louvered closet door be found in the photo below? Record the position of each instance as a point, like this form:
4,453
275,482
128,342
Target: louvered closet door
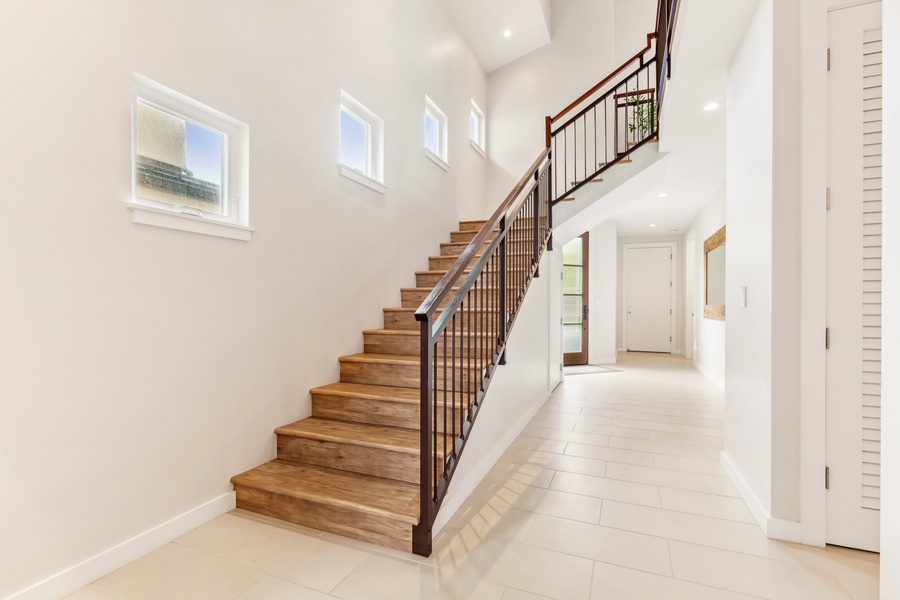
853,379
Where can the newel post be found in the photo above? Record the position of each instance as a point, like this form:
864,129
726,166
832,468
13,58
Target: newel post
422,537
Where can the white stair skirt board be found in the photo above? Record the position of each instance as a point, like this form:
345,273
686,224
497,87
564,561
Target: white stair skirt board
76,577
776,529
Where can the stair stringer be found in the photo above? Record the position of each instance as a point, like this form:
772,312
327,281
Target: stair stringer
518,390
622,183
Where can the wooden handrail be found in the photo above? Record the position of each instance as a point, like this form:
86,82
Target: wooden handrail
607,79
448,281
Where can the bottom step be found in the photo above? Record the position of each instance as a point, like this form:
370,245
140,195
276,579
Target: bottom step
372,509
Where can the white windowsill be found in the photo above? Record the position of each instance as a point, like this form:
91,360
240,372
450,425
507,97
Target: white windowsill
477,148
158,217
437,160
362,178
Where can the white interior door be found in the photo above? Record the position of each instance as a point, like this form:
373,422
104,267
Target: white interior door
649,280
853,290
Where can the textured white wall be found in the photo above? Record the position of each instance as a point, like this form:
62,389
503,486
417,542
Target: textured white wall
709,345
143,367
748,204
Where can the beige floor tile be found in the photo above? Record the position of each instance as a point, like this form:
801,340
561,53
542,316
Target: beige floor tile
514,594
684,438
504,522
673,479
384,578
595,419
708,505
567,436
763,577
553,407
523,473
669,524
174,572
653,447
543,572
648,425
556,462
311,561
272,588
610,489
555,423
93,592
546,502
612,582
640,434
605,544
630,457
528,442
690,465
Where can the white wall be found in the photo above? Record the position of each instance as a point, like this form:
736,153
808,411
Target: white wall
890,382
678,240
604,269
543,83
519,388
634,19
748,204
709,344
143,367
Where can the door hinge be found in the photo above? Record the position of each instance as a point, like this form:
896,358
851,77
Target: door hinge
828,338
828,60
670,339
827,478
670,311
827,198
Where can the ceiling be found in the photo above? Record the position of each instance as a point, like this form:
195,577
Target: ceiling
483,23
707,34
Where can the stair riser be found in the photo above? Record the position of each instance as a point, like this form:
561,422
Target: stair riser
471,225
455,249
335,519
461,237
407,320
350,457
394,375
409,344
415,298
371,411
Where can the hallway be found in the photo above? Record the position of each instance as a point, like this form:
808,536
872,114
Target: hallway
613,491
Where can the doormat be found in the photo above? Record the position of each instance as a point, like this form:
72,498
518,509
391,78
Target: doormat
588,370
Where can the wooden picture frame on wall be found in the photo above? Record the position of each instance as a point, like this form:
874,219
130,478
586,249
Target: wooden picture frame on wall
714,276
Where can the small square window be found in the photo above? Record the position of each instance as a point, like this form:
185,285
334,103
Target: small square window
361,144
435,133
189,161
476,127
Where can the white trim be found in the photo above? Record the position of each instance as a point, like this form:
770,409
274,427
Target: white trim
170,219
362,178
776,529
374,140
437,160
480,119
673,291
478,148
442,132
77,576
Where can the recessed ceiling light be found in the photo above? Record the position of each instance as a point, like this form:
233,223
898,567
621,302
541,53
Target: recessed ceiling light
507,33
711,106
652,224
674,230
663,195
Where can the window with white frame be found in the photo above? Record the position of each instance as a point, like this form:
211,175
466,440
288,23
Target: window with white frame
361,144
476,128
189,164
435,133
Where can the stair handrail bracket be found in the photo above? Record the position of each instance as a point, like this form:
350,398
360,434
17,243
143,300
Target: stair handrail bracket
464,323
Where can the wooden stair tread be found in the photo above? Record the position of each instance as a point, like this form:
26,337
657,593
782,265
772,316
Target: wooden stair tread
365,493
359,434
405,309
416,333
372,392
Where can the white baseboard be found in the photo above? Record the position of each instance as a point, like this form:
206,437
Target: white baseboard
86,572
777,529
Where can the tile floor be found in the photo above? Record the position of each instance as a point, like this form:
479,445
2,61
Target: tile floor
614,491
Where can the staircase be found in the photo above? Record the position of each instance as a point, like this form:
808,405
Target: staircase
352,468
377,455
